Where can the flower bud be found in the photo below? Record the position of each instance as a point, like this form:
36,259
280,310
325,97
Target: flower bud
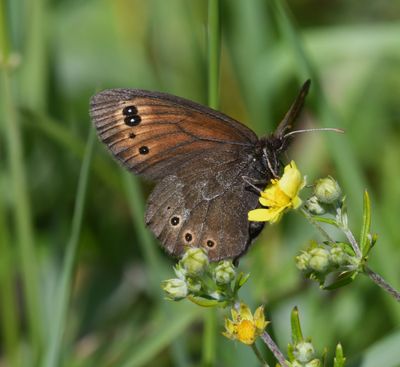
194,286
327,190
180,271
303,351
338,256
319,260
302,261
313,363
224,272
175,288
194,261
313,206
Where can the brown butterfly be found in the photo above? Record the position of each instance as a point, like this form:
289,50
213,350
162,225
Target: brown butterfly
205,164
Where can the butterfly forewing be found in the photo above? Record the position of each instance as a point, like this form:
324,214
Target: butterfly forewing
152,134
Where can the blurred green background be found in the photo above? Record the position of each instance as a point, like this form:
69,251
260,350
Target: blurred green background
79,274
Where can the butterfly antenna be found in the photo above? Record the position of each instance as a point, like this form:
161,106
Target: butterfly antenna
313,130
294,110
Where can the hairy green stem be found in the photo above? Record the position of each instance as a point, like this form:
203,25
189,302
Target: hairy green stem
316,225
353,242
274,349
377,279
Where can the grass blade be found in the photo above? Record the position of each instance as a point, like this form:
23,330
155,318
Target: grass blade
62,298
18,182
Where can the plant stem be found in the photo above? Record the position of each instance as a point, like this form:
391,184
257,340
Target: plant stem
316,225
274,349
210,323
353,242
209,337
213,53
259,356
377,279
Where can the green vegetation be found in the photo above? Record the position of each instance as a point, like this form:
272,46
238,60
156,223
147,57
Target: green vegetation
79,273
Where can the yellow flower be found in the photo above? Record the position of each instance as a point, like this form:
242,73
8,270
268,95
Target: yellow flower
244,326
280,195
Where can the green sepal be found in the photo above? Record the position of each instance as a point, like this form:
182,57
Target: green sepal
365,242
297,334
343,279
290,352
205,302
339,359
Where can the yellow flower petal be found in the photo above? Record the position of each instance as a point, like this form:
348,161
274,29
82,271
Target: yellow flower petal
235,314
230,326
228,335
291,180
296,202
245,313
272,215
259,319
273,196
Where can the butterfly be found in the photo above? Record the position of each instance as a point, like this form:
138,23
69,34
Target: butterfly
205,165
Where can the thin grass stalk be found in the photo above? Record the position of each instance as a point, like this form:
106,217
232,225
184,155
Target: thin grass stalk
21,207
214,49
64,288
136,204
8,305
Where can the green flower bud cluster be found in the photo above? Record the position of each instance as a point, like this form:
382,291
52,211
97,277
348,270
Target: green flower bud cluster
204,283
321,259
301,352
327,195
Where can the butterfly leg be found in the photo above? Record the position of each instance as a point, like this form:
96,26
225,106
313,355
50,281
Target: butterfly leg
272,170
252,182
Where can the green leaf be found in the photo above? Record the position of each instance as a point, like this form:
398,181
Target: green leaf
240,281
342,280
365,243
339,359
297,335
325,220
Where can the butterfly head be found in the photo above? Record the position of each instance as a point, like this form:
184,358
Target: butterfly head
272,147
276,143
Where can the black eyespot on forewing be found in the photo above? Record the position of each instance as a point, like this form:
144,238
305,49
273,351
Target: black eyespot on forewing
132,120
129,111
144,150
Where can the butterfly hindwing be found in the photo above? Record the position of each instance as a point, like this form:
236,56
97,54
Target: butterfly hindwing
206,208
